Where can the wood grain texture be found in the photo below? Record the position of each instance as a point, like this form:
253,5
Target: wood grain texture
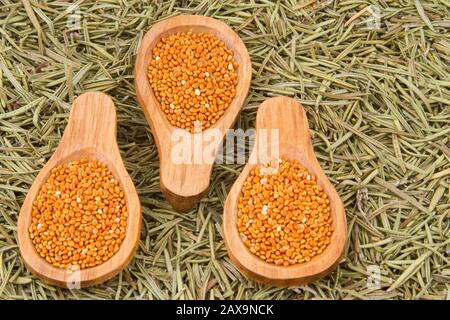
90,134
184,184
288,116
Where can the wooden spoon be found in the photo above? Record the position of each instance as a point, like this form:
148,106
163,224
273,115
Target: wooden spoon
294,142
90,134
184,184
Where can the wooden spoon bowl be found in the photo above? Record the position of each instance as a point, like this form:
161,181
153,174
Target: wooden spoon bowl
184,184
90,134
289,120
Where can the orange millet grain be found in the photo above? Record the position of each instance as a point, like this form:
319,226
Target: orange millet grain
79,217
193,76
283,215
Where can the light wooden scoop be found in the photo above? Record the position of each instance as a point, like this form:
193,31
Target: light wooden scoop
90,134
184,184
288,116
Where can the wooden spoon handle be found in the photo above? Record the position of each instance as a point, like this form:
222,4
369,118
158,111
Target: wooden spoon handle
281,120
92,123
183,185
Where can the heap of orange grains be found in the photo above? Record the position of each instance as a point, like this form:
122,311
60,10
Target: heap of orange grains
79,217
193,76
283,214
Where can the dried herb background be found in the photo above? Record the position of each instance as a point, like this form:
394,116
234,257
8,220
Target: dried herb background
372,75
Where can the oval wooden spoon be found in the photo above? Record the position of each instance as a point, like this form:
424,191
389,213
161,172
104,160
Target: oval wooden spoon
289,120
90,134
184,184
